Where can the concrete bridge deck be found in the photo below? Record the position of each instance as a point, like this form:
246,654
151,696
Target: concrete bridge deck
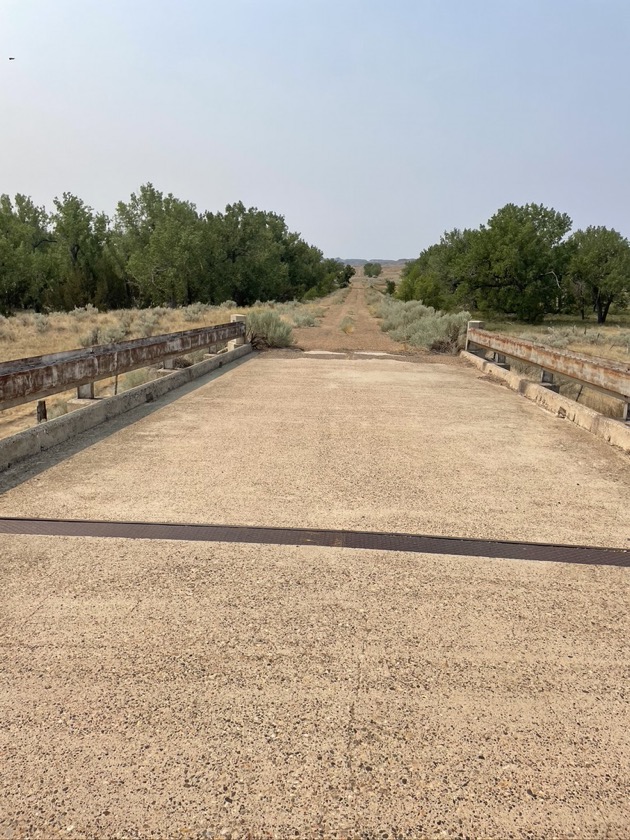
155,689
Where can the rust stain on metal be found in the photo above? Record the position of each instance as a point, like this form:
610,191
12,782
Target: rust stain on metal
22,380
610,377
371,540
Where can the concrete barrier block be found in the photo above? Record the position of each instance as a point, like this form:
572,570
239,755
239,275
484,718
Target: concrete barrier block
612,431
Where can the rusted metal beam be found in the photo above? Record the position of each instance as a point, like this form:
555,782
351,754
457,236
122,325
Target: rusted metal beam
609,377
23,380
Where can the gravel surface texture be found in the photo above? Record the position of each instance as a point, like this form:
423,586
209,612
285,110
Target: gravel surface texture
367,444
165,690
154,689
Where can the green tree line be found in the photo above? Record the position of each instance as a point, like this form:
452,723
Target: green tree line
523,262
157,250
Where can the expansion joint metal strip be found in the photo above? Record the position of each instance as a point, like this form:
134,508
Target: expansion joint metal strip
375,541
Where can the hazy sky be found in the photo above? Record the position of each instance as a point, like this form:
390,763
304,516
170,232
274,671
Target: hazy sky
371,125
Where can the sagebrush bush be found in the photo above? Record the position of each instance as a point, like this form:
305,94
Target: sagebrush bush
42,323
126,320
147,323
264,328
347,325
562,337
195,311
80,313
414,323
228,304
303,319
89,338
111,335
6,333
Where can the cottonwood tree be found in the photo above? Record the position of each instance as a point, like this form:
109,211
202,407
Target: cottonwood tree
372,269
598,270
25,242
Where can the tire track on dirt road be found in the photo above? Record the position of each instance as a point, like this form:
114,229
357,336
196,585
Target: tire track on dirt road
364,333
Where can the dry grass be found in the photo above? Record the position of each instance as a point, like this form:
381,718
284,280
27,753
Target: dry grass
610,341
31,334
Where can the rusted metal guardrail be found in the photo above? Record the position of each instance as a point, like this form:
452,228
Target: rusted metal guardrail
23,380
611,378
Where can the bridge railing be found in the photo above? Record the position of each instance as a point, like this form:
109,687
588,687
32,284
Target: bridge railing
36,377
611,378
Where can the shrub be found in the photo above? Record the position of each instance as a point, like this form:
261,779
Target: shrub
25,319
111,335
347,325
264,328
126,320
89,338
195,311
80,313
229,304
303,319
42,324
147,323
6,333
421,326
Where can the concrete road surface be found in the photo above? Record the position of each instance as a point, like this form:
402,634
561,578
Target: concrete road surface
158,689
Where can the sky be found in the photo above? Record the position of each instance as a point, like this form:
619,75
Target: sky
372,126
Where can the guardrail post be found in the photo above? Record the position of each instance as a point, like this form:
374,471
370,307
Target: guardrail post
42,413
236,342
500,361
472,325
85,392
546,380
470,345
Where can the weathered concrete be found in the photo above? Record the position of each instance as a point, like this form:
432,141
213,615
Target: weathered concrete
603,374
237,342
615,432
46,435
155,689
370,444
22,380
161,690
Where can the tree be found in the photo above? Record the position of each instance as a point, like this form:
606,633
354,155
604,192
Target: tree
85,269
372,269
345,275
511,265
25,242
598,270
159,243
435,277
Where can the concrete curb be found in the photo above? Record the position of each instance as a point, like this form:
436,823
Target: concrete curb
32,441
612,431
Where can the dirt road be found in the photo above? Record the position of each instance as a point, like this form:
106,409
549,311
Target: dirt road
363,330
